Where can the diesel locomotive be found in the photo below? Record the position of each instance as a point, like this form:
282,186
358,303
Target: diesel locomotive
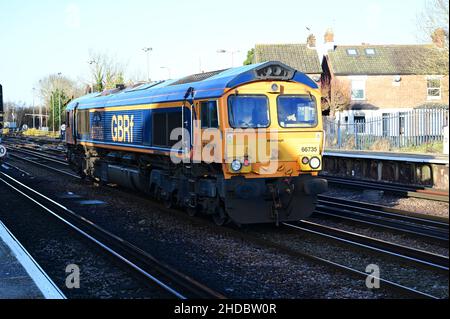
243,144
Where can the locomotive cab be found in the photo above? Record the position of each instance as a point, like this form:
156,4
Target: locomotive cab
243,144
272,145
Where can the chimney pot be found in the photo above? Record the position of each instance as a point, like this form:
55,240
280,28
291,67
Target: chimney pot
329,36
311,41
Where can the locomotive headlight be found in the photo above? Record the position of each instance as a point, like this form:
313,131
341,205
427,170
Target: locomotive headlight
314,163
275,87
236,165
305,160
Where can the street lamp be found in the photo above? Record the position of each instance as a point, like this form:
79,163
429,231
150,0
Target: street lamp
168,70
40,111
93,84
59,100
148,50
230,52
34,89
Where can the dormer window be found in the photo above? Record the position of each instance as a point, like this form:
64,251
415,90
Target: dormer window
370,51
352,52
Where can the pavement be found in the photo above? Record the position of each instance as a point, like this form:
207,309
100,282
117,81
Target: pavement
20,276
394,156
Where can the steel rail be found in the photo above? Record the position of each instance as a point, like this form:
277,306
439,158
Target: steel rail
379,210
438,234
38,155
404,290
392,188
407,291
45,166
134,257
423,258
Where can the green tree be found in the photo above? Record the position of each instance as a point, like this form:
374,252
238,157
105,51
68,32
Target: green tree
58,103
250,57
50,88
106,71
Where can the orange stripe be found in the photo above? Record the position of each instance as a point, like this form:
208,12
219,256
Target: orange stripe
125,148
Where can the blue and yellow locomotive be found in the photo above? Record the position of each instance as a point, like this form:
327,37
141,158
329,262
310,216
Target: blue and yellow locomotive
243,144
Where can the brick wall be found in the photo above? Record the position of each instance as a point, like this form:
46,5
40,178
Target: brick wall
382,91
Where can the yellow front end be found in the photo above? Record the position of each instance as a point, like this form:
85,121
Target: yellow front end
279,145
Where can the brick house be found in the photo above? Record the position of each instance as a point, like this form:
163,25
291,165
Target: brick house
386,79
301,56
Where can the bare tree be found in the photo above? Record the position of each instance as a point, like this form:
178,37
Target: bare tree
56,90
433,25
434,16
18,113
336,96
106,71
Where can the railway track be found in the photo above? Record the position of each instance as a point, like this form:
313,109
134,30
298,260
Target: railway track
131,257
425,259
426,226
42,160
398,189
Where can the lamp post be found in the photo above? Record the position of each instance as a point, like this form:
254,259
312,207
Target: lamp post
59,100
231,52
40,111
52,98
148,50
34,89
93,84
168,70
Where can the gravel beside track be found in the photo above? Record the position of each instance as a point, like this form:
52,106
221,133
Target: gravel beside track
55,246
417,205
223,261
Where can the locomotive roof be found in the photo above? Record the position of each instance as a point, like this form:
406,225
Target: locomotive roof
204,85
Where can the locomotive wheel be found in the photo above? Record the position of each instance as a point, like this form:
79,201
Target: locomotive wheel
191,211
168,203
220,218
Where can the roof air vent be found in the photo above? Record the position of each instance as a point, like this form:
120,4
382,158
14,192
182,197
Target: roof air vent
274,71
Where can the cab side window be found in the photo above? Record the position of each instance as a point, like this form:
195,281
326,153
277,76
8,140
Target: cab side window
208,112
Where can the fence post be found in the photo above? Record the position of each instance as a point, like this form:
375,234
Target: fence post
339,131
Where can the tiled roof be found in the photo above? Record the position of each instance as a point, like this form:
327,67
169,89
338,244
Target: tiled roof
388,59
297,56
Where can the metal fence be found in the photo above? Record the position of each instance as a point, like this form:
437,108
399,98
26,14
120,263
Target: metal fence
391,131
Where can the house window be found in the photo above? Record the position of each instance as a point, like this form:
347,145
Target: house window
370,51
352,52
358,90
360,123
433,88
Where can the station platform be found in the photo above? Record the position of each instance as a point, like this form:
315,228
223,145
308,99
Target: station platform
20,276
391,156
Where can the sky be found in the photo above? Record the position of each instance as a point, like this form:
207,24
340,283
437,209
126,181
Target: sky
38,38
